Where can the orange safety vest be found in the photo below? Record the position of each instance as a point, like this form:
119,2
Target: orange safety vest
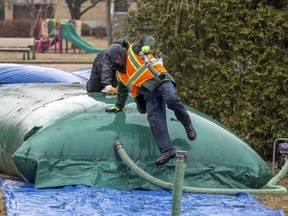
137,72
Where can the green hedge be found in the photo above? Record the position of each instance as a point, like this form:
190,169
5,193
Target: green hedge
85,29
99,32
15,28
229,59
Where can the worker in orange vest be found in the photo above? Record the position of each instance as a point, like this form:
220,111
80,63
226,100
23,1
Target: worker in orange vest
153,88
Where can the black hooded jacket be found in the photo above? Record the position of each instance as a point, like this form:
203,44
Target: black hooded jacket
103,72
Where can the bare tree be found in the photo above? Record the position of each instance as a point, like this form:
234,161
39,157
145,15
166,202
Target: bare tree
30,5
2,9
75,7
76,13
109,22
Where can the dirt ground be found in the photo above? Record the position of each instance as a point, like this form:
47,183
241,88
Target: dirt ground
276,201
72,62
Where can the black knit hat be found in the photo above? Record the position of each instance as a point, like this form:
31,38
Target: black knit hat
114,51
148,41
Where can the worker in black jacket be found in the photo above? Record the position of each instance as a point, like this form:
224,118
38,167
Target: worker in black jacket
103,72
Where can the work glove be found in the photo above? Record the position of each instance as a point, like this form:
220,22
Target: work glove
110,90
145,50
113,109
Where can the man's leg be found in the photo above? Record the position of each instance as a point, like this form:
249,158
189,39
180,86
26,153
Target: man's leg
156,116
174,103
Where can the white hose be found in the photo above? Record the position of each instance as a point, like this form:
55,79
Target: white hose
272,187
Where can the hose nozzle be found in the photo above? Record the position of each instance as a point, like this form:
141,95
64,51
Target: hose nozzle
149,65
118,145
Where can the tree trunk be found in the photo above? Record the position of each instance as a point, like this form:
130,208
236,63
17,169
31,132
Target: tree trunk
109,23
32,17
74,8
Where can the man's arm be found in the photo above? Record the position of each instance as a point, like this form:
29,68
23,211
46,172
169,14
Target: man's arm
108,71
144,41
122,95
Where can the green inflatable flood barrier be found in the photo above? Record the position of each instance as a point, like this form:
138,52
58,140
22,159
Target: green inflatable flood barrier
57,134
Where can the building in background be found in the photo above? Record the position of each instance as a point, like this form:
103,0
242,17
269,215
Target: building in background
58,9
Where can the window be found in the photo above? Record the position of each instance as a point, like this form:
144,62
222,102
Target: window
121,6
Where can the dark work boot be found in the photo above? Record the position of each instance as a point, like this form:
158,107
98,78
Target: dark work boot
165,157
191,133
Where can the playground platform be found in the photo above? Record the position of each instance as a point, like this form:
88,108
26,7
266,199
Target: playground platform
57,36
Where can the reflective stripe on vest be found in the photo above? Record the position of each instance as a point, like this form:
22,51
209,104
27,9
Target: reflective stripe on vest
123,78
140,68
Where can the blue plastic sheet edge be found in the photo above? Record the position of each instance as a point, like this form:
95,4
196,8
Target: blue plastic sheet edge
21,199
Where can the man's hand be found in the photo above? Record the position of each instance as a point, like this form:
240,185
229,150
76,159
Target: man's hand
145,50
111,91
113,109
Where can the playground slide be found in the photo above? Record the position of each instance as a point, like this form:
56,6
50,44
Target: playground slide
69,33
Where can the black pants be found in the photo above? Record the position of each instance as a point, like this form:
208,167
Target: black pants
94,83
156,101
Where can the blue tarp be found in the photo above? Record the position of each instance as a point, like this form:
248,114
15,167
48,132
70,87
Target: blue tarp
18,73
23,199
83,72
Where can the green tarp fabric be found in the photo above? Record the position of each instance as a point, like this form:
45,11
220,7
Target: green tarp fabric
69,141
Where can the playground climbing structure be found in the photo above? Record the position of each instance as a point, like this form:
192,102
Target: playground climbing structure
57,36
